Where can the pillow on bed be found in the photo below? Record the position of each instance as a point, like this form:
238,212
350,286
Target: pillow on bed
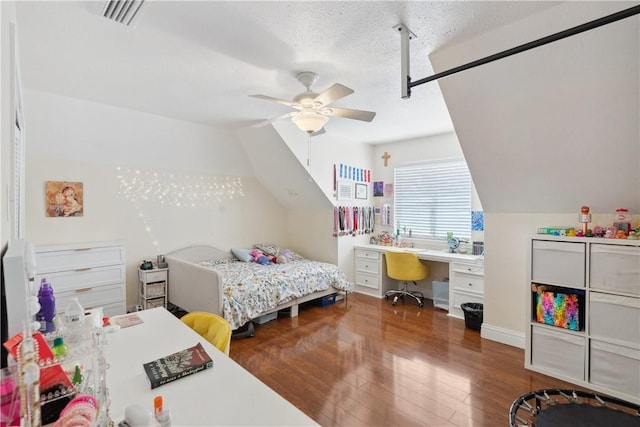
268,248
242,254
275,250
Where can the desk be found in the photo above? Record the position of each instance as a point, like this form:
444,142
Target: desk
226,394
466,273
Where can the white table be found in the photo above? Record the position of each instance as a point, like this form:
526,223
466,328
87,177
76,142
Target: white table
226,394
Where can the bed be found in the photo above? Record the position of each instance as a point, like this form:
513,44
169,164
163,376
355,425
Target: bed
204,278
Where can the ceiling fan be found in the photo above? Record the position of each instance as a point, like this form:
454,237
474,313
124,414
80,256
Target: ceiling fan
312,109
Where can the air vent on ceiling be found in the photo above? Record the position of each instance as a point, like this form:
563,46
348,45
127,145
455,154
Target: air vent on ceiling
122,11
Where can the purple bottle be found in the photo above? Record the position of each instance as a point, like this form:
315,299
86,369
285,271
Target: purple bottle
47,311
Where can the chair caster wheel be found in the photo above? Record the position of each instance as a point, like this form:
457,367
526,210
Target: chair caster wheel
421,305
394,302
386,297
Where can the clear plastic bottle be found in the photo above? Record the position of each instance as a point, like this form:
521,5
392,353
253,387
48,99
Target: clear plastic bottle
74,321
47,313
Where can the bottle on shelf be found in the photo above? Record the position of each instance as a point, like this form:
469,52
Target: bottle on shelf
74,321
46,315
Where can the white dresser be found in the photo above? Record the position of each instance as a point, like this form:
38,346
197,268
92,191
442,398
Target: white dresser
93,272
603,351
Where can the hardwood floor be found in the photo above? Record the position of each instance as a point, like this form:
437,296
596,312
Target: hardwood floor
367,363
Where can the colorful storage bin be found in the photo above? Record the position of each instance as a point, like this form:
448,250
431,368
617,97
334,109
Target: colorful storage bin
560,309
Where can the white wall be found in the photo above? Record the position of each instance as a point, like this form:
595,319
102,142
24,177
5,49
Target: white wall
7,111
545,132
76,140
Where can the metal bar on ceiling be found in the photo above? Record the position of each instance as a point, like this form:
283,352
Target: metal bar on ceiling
626,13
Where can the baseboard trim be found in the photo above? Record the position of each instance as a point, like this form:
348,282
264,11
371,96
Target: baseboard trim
501,335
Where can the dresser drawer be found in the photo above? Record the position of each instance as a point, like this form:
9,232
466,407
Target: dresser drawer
615,268
558,263
152,276
83,278
72,259
615,317
363,253
559,352
615,367
368,280
367,265
91,297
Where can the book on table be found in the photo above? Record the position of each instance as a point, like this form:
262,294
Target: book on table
177,365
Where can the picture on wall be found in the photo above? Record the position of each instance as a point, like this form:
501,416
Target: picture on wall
477,220
378,188
361,191
64,198
345,190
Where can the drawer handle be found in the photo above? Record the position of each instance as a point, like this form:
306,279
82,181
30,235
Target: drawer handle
470,284
83,269
82,249
83,290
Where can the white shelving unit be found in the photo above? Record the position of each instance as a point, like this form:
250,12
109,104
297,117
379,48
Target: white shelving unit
604,353
154,287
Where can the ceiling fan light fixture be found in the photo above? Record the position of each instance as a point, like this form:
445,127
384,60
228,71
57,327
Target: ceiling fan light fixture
310,122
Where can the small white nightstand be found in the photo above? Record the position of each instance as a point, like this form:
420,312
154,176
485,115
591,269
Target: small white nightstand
154,287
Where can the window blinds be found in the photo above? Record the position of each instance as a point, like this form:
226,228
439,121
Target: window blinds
433,198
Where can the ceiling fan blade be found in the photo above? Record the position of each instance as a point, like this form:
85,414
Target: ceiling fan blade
332,94
347,113
269,121
272,99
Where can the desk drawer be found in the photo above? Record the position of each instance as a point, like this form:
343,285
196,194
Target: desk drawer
459,298
368,280
367,265
363,253
467,282
475,269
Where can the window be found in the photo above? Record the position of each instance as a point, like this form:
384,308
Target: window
433,198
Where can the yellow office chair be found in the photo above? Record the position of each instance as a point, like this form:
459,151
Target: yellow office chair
405,267
211,327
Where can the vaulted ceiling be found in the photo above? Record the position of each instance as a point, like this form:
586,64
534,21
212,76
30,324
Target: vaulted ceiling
199,60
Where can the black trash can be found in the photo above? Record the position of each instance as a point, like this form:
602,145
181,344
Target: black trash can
472,314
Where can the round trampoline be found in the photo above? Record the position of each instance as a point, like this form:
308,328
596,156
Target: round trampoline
565,408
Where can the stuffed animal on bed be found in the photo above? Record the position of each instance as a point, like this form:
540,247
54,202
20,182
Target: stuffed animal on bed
259,257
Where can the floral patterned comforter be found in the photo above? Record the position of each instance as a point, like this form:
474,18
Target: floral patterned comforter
250,289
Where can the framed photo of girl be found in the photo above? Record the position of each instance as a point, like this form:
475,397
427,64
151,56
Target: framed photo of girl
64,198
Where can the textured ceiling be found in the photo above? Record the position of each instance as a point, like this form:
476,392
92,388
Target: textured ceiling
199,61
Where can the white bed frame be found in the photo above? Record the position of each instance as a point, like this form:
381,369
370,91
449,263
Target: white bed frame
193,287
